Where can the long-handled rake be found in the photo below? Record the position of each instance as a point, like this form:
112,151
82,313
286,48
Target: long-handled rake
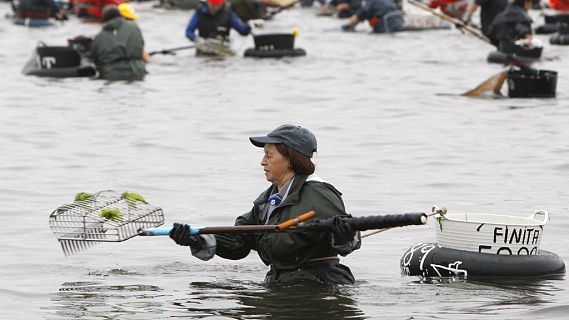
108,216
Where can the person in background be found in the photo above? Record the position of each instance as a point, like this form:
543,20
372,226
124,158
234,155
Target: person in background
38,9
489,9
343,8
215,20
92,9
257,9
382,16
118,50
559,5
512,24
453,8
294,189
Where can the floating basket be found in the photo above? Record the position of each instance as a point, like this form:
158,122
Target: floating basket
274,45
531,83
511,48
495,234
57,57
274,41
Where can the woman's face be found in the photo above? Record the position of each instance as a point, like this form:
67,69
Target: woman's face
276,166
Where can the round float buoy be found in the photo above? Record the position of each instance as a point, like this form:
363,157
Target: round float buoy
432,260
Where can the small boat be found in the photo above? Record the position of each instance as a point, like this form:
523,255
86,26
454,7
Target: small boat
58,62
483,245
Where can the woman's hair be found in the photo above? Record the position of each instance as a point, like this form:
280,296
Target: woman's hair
300,163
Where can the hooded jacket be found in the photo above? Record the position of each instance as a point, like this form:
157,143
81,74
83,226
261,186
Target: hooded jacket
510,25
117,51
290,252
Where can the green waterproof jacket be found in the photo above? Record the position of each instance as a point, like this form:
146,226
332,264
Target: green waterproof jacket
289,251
117,51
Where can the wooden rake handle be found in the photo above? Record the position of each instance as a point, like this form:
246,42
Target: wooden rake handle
244,229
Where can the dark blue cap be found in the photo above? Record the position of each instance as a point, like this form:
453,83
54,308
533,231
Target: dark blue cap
296,137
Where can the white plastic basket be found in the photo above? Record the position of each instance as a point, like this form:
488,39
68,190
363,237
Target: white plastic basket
488,233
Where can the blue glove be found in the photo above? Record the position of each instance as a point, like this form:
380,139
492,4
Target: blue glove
347,27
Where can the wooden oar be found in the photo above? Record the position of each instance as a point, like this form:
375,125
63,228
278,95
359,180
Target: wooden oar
457,22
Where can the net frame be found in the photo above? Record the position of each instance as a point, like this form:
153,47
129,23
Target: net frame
80,225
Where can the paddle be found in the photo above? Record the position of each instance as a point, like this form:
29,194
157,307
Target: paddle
171,50
457,22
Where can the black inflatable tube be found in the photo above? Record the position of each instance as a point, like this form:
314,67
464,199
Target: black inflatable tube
277,53
432,260
502,58
34,23
63,72
559,39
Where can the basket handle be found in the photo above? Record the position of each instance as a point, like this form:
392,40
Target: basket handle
543,213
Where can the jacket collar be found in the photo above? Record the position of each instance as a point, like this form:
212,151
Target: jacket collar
293,195
113,24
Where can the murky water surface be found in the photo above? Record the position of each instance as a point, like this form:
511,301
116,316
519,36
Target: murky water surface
387,140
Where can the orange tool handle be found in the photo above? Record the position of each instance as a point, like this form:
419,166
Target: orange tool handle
293,222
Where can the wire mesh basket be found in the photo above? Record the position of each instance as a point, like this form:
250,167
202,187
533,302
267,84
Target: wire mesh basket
105,216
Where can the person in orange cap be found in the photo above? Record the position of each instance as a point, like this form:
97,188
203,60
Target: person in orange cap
214,21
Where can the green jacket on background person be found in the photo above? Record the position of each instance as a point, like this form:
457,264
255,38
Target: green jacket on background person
117,51
292,256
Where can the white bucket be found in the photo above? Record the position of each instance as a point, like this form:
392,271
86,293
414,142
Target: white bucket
488,233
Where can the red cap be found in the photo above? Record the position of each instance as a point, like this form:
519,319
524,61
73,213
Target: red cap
215,2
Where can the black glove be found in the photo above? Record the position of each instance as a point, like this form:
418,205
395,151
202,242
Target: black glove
343,232
180,233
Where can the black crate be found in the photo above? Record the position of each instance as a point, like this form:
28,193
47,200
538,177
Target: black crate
513,49
57,57
274,41
531,83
